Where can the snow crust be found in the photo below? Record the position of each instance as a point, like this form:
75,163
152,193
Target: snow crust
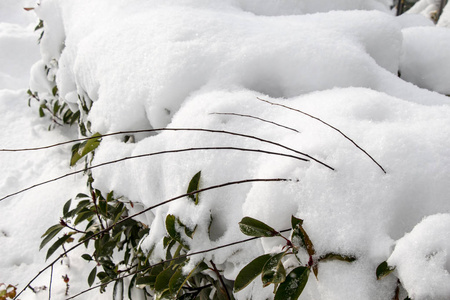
176,64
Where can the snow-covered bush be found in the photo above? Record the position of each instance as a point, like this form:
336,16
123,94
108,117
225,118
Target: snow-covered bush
236,73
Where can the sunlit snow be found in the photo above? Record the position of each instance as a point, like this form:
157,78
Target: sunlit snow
381,80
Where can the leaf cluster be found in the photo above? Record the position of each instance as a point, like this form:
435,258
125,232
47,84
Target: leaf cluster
57,110
114,252
173,278
270,266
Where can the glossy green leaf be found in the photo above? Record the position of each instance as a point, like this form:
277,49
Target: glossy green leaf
384,270
296,221
144,281
66,207
50,234
301,239
253,227
294,284
163,279
83,216
336,256
194,186
91,277
273,270
171,227
91,144
52,229
57,244
250,272
86,257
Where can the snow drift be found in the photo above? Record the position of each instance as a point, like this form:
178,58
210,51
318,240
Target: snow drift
176,64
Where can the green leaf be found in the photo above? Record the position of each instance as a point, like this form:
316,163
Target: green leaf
173,232
164,295
81,150
336,256
50,234
163,279
91,277
384,270
57,244
253,227
83,216
301,239
295,221
144,281
75,154
273,270
118,290
75,117
54,90
131,285
294,284
250,272
91,144
194,186
86,257
66,207
41,112
179,279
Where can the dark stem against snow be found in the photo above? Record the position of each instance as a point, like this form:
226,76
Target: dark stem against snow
172,129
217,272
148,209
151,154
323,122
256,118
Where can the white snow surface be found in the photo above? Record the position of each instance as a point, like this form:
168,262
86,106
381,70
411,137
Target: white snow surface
422,258
176,64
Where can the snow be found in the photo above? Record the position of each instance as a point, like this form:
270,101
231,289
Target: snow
430,71
421,258
176,64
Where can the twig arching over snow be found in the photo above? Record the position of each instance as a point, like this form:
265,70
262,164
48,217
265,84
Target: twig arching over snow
331,126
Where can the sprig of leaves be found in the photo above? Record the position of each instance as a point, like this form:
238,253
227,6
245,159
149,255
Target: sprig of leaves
270,266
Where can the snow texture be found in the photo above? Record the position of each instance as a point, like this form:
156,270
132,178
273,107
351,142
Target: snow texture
177,64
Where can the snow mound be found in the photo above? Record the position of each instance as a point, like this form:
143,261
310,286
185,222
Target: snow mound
207,65
422,259
425,59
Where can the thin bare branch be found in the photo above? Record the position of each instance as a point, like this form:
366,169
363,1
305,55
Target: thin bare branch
323,122
174,129
147,155
257,118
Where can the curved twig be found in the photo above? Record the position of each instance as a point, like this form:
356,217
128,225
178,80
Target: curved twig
323,122
257,118
147,155
173,129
